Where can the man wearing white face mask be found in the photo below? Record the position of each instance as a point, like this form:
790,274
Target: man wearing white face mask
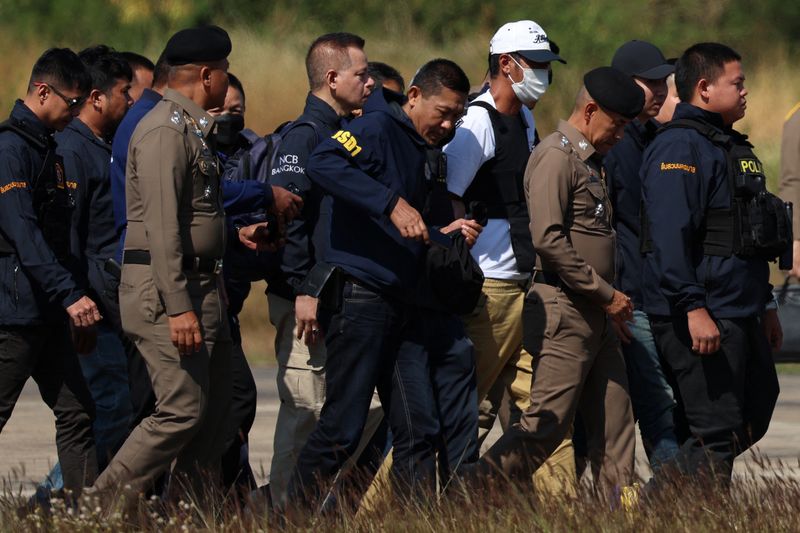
485,164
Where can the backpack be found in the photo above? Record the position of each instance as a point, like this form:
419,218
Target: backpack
257,162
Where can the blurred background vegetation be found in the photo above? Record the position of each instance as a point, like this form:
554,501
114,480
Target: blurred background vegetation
270,39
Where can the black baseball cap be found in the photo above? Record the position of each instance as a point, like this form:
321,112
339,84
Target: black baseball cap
643,60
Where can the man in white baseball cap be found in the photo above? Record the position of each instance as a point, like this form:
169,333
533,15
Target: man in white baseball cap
485,166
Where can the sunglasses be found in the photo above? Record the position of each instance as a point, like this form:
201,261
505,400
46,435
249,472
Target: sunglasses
72,103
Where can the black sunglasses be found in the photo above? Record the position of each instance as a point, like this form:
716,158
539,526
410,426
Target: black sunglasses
72,103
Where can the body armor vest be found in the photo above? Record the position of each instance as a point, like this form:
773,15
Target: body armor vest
52,202
499,183
757,223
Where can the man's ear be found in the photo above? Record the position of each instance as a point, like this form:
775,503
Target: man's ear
414,95
589,110
96,98
205,76
506,62
331,78
702,89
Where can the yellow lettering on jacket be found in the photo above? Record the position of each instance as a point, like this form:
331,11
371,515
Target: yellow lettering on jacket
751,166
13,185
348,141
679,166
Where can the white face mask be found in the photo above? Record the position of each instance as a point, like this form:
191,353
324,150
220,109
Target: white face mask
533,85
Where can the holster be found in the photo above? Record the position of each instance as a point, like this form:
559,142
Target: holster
326,283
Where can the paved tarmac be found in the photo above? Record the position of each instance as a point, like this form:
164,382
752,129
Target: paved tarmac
28,449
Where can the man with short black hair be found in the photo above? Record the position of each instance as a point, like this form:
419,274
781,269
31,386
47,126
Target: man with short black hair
85,146
37,284
386,76
713,228
143,73
374,171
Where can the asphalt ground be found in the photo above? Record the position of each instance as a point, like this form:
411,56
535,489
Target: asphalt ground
27,443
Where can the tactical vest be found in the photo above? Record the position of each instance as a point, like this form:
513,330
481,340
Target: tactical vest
757,223
51,199
499,182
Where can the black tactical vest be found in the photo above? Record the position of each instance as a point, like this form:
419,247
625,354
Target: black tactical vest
757,223
52,201
499,182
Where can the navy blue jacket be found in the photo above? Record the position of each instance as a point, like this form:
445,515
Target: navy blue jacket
94,234
365,168
119,159
684,175
622,165
305,235
34,286
237,196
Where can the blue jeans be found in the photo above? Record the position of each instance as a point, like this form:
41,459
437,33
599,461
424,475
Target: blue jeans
651,395
106,373
362,340
434,401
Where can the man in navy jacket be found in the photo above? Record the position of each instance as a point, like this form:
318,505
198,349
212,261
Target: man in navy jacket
374,172
710,308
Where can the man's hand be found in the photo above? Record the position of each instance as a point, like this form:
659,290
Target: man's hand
772,328
795,271
409,222
184,330
622,330
469,229
84,313
286,204
84,339
704,331
257,237
305,315
620,307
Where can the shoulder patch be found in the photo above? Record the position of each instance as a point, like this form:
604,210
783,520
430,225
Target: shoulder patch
13,185
679,166
347,140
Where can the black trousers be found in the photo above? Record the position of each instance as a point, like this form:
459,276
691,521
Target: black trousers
728,397
46,354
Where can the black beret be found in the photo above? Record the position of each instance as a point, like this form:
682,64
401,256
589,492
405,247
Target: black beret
615,91
198,45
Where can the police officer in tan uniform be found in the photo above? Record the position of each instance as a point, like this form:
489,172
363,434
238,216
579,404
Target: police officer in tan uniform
567,313
170,297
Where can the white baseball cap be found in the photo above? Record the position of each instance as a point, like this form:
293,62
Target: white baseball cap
526,38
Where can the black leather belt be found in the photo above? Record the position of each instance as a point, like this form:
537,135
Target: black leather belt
548,278
191,263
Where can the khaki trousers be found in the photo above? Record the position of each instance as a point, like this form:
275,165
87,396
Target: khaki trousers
192,392
301,389
579,366
495,328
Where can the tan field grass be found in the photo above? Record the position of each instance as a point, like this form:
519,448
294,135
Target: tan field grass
763,501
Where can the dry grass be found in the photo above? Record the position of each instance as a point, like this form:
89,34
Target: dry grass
762,501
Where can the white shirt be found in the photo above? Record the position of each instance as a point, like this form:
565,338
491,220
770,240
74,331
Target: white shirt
473,145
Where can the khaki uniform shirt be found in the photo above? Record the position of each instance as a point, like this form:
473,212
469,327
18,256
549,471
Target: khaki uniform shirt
571,214
173,194
790,165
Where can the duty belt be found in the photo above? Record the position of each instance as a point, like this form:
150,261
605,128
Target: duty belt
191,263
